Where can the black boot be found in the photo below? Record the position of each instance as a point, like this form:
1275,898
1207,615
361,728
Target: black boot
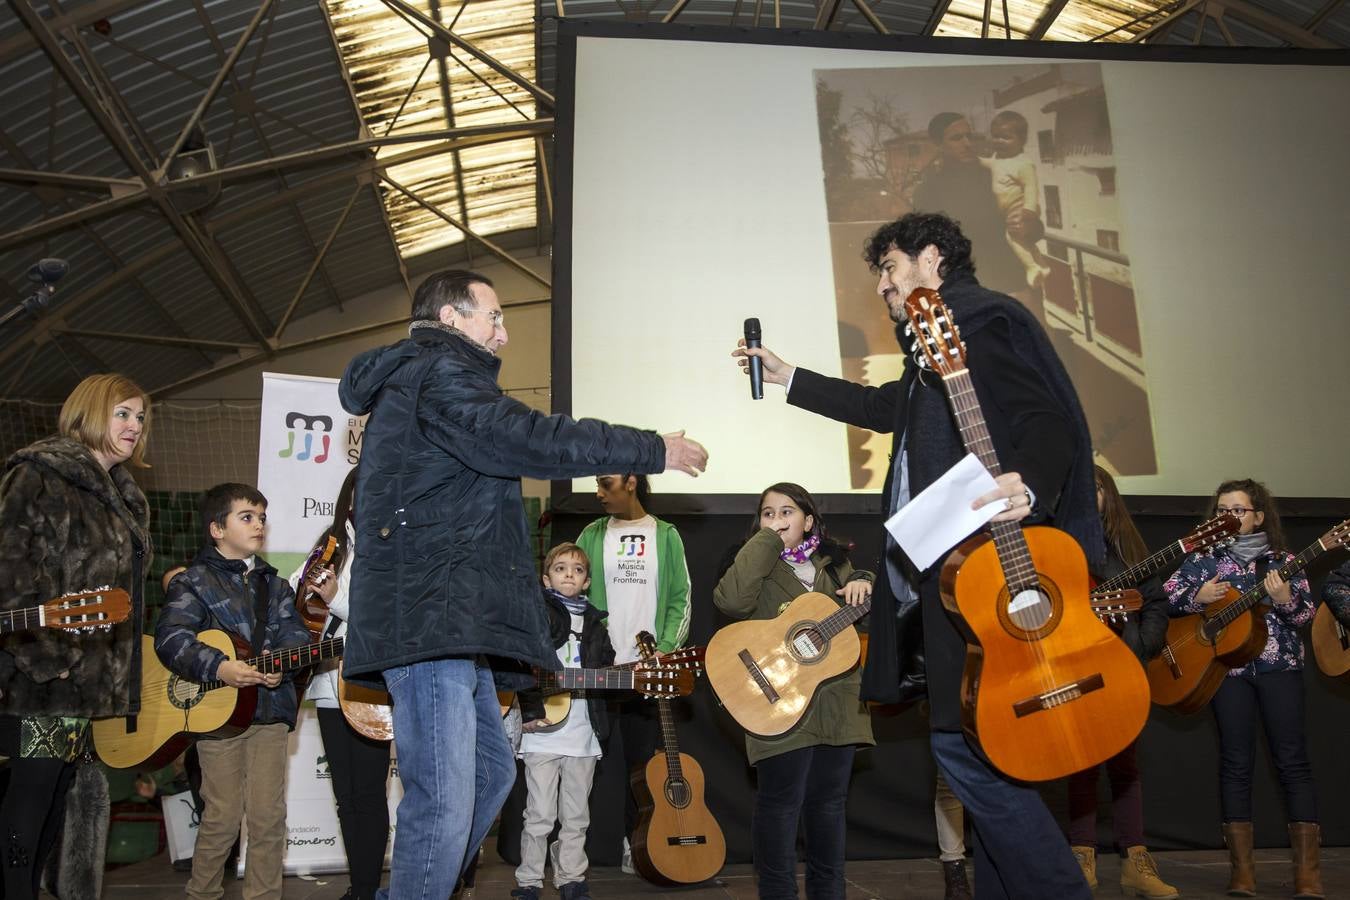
954,880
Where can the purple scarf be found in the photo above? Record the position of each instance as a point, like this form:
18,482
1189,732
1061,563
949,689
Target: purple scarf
802,552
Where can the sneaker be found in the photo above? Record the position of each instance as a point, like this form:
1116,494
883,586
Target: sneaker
627,865
575,890
954,882
526,893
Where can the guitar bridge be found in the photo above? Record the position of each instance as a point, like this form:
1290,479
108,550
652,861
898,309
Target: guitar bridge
686,840
1065,693
757,674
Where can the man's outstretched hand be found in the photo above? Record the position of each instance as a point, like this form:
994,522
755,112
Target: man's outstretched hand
684,455
776,371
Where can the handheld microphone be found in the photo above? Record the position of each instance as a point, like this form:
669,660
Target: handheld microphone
752,339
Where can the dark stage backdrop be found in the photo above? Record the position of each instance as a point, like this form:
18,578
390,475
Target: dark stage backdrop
890,810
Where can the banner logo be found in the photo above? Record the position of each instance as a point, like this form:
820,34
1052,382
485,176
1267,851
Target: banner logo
323,424
632,545
321,768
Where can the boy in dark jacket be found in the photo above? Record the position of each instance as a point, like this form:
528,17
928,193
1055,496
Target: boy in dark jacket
560,757
229,587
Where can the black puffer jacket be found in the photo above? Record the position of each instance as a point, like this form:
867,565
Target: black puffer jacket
67,525
596,653
446,567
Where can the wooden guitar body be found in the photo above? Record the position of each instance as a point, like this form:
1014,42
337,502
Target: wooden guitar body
369,711
1330,643
173,711
1198,655
766,671
1044,695
677,840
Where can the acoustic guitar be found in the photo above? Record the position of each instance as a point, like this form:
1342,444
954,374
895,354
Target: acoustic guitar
1227,634
765,672
1330,643
84,611
677,840
1048,689
312,608
1218,530
174,710
670,675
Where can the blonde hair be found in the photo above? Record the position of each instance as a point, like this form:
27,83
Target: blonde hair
85,414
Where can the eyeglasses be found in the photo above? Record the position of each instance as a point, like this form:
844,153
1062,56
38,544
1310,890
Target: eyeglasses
1238,511
498,317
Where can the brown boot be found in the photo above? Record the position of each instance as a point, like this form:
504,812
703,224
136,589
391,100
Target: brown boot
1087,861
1139,877
1304,838
1242,877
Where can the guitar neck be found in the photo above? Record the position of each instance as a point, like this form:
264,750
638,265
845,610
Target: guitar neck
1146,569
837,621
608,679
1013,554
670,744
290,659
25,619
1248,600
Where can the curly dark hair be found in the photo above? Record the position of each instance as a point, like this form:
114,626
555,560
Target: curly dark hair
912,232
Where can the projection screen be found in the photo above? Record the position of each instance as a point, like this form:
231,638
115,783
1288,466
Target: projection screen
1186,253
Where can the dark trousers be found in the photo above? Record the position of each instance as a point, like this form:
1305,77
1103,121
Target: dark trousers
808,785
1020,852
1127,801
31,816
1275,700
360,770
633,723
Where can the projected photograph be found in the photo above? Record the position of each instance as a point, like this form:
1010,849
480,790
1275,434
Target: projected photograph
1022,157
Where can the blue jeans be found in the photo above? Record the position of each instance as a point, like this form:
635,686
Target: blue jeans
1020,851
807,785
1275,701
456,767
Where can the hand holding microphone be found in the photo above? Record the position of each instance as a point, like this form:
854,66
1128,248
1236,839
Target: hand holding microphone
760,364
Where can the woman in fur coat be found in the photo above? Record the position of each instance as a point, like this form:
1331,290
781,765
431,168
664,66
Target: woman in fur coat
71,519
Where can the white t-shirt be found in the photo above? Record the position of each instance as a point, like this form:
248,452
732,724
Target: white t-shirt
575,736
631,580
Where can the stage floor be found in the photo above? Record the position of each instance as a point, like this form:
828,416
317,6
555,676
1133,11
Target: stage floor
1200,874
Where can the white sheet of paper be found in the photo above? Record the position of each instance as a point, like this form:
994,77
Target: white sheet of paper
933,522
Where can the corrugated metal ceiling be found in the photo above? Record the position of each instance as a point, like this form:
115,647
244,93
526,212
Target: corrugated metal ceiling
407,80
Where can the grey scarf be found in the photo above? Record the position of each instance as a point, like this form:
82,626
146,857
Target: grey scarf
1248,547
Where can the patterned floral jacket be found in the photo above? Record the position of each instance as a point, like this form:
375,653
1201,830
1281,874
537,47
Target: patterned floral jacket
1284,646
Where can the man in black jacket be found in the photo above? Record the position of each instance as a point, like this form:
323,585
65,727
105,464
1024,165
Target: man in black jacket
443,587
1041,439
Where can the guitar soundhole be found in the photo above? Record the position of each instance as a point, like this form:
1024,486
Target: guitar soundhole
806,642
1033,611
678,794
184,694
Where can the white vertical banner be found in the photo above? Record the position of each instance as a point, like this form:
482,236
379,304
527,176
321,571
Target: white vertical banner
306,445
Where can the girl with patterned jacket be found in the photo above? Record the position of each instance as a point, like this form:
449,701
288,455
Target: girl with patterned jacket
1269,687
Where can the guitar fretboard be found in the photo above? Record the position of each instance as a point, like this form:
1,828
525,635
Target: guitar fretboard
1019,571
670,743
1248,600
585,679
1142,571
21,619
289,659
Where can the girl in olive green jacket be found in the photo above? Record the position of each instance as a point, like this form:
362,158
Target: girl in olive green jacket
803,774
